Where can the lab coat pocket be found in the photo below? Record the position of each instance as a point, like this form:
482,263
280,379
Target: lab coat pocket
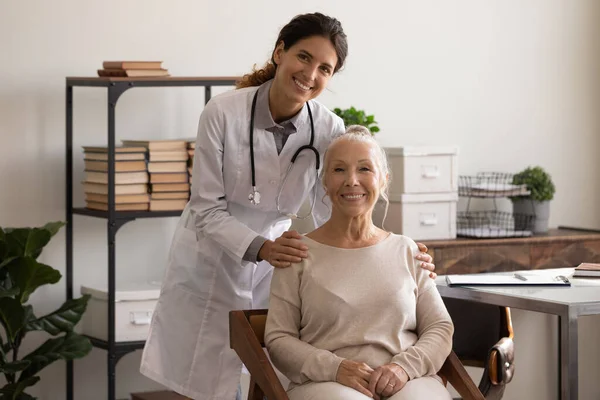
178,320
187,268
183,246
185,236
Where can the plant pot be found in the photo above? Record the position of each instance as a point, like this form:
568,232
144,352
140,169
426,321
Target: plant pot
540,210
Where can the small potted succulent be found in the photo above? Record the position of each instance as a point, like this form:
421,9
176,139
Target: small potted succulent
352,116
542,189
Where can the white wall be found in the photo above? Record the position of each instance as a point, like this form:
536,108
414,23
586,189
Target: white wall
512,83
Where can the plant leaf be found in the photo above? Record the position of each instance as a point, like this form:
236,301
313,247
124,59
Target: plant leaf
7,260
28,274
36,241
39,237
16,239
29,315
3,246
67,347
15,366
8,292
54,227
14,390
12,316
30,241
62,320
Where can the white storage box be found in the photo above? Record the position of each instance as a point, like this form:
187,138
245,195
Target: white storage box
420,216
423,169
134,304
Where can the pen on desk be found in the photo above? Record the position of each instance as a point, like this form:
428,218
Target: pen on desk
520,277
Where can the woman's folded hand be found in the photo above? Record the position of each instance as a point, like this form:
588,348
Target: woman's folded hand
386,380
356,375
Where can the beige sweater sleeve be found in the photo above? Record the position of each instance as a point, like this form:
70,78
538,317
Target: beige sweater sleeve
434,328
297,360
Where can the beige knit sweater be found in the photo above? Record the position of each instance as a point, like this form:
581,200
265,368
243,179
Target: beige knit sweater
373,304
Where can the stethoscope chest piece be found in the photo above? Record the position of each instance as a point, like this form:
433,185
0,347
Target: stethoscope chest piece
254,197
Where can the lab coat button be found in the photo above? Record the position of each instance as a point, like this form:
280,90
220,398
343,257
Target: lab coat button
273,182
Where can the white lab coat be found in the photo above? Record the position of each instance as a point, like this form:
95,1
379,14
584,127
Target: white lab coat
188,346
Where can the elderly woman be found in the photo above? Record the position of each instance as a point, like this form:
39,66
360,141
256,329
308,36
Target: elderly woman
358,318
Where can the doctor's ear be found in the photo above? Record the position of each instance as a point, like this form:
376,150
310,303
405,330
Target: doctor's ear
278,52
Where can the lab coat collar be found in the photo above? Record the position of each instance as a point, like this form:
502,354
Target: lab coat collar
264,119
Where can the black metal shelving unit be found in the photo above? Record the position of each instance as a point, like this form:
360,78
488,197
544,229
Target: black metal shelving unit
114,219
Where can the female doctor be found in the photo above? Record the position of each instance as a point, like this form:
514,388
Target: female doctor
256,160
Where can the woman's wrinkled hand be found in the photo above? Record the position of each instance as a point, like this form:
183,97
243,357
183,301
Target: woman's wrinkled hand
426,260
285,250
356,375
387,380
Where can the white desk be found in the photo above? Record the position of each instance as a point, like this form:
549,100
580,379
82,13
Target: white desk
568,303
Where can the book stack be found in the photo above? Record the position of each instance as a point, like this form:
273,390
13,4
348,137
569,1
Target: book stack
131,178
191,145
132,69
167,167
587,270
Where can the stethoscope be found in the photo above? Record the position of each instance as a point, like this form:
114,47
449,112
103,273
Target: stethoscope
254,196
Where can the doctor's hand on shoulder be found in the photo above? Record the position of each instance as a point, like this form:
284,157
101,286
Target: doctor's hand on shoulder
285,250
289,248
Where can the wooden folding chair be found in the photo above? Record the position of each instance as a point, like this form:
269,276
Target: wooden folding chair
247,330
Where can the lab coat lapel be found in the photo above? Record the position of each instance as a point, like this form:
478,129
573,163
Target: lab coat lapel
299,181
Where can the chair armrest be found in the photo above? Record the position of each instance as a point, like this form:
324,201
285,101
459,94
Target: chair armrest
501,360
457,375
243,340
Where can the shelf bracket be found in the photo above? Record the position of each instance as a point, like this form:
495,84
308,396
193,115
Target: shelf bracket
115,90
118,223
120,354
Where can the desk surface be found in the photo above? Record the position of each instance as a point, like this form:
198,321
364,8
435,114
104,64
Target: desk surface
568,303
584,293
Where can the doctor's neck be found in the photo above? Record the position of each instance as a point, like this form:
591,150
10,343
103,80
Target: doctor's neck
280,105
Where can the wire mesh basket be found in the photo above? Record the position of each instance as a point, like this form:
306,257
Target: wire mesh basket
490,185
493,224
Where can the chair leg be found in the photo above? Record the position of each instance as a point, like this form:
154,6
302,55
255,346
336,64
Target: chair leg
254,391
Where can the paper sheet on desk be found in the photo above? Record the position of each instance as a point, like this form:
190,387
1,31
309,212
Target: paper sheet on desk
506,280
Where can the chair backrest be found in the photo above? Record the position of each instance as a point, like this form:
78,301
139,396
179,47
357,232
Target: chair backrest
483,337
247,338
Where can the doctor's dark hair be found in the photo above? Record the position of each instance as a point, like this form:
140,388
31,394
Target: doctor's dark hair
301,27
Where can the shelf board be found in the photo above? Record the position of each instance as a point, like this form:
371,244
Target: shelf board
126,214
155,81
122,347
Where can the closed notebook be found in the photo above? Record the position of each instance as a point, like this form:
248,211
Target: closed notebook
587,270
506,280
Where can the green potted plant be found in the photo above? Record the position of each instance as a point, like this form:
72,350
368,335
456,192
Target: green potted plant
542,189
352,116
20,275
